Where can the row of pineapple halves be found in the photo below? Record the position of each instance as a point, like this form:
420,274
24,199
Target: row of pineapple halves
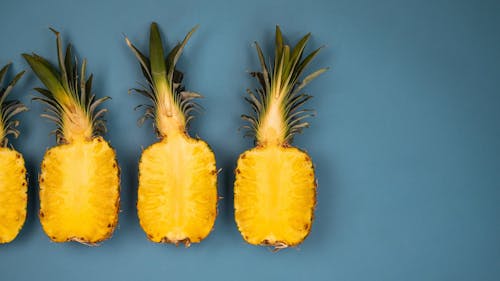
79,180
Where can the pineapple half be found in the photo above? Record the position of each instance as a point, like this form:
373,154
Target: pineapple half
275,186
13,185
177,196
79,179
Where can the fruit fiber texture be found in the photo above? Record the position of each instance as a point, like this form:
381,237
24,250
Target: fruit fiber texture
13,197
177,199
79,192
274,195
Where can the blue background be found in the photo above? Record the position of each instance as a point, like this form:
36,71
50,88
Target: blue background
406,140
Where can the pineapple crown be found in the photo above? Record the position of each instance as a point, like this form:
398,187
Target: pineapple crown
8,109
277,115
68,96
172,106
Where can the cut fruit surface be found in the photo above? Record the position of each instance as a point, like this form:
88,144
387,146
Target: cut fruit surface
274,195
13,195
177,197
79,192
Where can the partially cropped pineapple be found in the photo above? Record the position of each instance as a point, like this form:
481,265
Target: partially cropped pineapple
177,197
13,184
79,179
275,187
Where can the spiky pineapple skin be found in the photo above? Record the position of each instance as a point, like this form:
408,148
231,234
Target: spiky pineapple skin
177,195
13,194
274,195
80,192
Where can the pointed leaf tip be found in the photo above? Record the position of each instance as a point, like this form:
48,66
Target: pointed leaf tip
157,57
54,30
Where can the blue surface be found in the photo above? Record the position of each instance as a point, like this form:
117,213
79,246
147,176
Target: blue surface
406,141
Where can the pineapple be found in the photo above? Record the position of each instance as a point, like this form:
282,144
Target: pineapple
177,196
275,186
79,179
13,186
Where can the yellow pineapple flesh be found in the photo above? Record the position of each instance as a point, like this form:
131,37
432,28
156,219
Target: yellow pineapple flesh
177,199
275,186
177,195
13,198
274,195
13,185
78,191
79,178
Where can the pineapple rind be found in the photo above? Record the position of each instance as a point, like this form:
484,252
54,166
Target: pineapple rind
13,194
177,196
79,192
274,196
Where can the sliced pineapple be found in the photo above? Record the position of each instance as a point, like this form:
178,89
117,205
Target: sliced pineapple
77,202
13,185
275,186
175,205
79,179
177,196
275,196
